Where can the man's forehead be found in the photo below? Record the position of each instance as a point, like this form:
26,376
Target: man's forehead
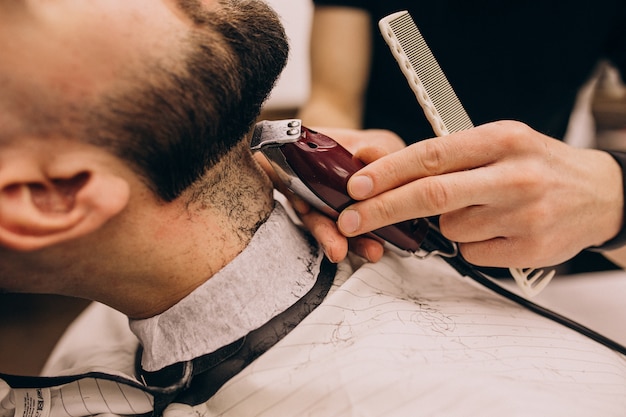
123,21
102,33
176,8
59,52
81,39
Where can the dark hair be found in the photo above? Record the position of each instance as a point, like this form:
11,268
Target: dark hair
175,128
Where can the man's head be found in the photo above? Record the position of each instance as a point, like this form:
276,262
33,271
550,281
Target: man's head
167,86
95,93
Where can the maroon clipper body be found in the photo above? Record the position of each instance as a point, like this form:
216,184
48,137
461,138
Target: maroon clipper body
317,168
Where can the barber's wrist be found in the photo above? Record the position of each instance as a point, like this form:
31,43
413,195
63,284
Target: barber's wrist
620,239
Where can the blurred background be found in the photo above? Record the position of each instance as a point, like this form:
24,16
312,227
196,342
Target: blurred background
30,325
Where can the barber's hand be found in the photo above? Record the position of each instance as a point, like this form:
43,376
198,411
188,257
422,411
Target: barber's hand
366,145
511,197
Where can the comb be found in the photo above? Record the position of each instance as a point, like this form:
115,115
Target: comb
440,104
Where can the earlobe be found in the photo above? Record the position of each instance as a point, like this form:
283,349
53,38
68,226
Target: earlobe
44,212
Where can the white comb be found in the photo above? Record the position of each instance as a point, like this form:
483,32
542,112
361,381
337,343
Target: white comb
440,104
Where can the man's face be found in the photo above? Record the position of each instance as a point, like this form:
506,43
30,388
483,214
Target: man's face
109,111
167,85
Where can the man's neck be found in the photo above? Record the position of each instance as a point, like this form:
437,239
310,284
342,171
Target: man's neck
201,243
186,242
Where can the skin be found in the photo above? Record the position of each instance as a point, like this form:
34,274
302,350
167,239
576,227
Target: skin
338,79
511,196
74,218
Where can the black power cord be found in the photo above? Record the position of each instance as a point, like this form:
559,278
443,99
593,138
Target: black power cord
436,242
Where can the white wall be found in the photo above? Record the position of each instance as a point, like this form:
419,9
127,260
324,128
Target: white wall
293,86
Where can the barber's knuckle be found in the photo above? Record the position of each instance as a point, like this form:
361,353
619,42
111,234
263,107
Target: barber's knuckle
529,181
386,210
391,170
432,157
510,133
522,184
436,196
512,126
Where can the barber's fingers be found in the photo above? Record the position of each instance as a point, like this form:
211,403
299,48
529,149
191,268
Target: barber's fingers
491,236
424,159
423,197
510,252
336,245
324,230
476,223
497,252
370,249
459,151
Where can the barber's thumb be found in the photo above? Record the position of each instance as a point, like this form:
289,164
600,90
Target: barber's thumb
360,187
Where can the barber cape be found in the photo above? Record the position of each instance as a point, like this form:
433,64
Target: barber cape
402,337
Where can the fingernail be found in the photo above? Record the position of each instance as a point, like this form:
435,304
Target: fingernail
331,257
360,186
325,249
349,221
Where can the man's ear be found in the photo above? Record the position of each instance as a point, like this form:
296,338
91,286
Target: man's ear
39,210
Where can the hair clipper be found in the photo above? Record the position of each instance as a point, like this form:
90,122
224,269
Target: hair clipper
317,169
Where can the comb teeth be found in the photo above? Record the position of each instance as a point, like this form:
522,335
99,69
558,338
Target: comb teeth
430,85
